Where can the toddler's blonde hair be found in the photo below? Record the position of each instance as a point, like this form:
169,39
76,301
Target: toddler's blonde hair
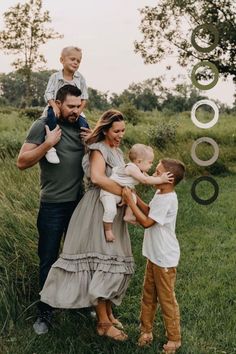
65,51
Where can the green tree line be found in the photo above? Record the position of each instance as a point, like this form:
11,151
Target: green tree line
145,96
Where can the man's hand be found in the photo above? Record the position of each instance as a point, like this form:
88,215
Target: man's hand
85,132
53,136
127,195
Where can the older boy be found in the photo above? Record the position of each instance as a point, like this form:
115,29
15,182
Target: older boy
161,248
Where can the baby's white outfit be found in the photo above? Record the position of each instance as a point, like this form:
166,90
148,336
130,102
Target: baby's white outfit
109,200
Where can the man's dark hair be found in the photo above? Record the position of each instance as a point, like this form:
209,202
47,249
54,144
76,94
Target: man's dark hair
67,90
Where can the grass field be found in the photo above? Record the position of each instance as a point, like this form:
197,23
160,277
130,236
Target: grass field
205,289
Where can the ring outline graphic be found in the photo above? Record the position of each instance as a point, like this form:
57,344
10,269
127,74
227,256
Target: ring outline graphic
213,69
212,159
208,124
209,200
211,28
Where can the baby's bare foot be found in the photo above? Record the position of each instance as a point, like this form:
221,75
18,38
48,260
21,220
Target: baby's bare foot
110,237
130,218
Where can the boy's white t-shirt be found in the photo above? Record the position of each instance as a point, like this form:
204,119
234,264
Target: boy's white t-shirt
160,244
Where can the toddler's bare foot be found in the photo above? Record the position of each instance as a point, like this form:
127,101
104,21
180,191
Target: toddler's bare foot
145,339
109,236
170,347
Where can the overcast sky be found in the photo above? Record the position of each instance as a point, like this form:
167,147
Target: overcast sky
106,31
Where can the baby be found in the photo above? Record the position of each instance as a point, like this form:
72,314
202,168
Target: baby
129,175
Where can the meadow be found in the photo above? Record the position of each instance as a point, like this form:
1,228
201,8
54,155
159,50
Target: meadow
205,289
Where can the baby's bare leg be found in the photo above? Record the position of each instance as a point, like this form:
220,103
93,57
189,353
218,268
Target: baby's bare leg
109,202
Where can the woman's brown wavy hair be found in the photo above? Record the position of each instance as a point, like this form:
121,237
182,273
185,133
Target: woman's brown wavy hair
103,125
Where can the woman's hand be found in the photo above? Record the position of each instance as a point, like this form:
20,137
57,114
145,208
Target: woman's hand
127,195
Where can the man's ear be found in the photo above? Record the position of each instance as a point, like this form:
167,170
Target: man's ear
61,60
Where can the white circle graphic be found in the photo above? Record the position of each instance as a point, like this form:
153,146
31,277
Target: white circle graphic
208,124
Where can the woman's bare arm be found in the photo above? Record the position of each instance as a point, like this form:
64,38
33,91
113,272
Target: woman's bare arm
98,174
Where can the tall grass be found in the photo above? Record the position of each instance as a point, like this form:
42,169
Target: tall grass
13,128
205,288
18,205
205,285
224,133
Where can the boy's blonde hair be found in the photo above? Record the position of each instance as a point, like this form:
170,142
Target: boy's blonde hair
176,167
65,51
139,152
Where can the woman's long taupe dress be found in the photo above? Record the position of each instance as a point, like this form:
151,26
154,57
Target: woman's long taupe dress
89,267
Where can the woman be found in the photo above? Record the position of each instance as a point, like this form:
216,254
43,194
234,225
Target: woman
91,271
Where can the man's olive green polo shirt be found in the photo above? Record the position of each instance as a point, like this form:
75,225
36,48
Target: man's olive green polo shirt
60,182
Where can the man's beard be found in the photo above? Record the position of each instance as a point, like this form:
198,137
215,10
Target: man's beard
70,119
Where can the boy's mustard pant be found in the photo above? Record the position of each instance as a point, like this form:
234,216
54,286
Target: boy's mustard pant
158,288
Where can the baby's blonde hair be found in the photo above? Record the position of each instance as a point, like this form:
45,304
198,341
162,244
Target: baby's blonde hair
65,51
139,152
